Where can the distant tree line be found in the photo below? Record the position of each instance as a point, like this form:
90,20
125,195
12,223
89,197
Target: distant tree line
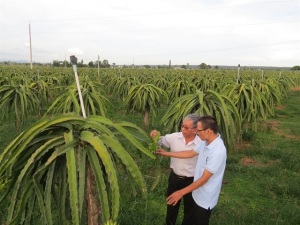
105,64
65,63
295,68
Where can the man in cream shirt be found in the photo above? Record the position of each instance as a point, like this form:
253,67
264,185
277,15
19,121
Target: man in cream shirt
182,170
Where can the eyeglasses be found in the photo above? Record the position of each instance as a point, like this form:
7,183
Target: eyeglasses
186,127
201,130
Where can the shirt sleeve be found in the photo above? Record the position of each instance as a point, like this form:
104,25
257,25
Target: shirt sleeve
164,141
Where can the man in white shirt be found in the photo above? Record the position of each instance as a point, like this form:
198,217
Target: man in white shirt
209,170
182,170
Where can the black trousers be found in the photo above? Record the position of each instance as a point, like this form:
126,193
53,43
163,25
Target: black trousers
201,215
176,183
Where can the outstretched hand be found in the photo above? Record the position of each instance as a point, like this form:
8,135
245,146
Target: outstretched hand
161,152
174,198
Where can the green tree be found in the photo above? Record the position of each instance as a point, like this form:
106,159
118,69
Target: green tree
206,103
18,97
55,63
295,68
179,88
105,64
121,85
49,167
145,99
94,102
91,64
203,66
251,102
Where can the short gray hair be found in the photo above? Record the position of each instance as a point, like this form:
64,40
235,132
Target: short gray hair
193,117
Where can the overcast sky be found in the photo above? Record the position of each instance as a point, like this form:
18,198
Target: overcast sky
140,32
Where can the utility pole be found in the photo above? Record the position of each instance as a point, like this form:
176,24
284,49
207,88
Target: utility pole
238,75
73,60
30,47
98,65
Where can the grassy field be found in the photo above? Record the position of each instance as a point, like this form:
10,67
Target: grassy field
261,183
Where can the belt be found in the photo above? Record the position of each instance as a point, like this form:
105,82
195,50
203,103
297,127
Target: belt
179,177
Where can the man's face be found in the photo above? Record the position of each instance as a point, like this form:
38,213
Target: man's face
187,128
201,132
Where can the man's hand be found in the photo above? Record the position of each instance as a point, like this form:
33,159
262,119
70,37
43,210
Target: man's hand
161,152
174,198
154,133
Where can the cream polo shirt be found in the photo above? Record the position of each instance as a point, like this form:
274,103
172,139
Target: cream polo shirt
175,142
212,158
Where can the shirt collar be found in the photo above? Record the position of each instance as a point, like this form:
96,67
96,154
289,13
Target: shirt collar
196,140
214,142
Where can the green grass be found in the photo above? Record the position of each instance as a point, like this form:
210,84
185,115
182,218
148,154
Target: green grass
261,190
261,183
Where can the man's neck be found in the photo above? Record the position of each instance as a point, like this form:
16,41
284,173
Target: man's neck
189,139
211,138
